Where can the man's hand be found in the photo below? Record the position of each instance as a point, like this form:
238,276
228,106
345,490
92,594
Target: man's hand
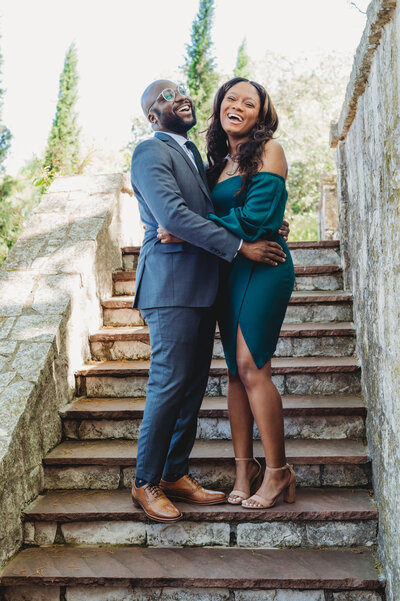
167,238
285,230
263,251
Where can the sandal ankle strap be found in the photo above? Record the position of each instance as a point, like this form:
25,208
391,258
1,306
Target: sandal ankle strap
277,469
244,458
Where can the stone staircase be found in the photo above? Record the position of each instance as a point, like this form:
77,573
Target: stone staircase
85,540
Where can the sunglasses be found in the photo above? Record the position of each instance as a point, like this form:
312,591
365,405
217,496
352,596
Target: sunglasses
169,94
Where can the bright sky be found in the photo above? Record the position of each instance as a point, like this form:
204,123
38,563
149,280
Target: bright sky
125,44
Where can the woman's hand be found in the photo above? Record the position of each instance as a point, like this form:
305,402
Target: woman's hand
285,230
167,238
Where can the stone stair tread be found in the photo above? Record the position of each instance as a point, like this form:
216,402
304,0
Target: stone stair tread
194,567
123,452
298,296
134,250
141,333
311,504
280,365
130,274
131,408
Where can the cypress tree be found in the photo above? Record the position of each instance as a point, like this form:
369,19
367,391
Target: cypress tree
62,153
5,134
242,68
200,69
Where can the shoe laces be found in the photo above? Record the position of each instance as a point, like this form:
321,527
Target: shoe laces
154,490
193,481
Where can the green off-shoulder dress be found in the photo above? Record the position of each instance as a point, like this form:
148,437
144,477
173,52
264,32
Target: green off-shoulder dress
252,295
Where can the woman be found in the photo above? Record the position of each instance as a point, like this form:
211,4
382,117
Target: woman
247,173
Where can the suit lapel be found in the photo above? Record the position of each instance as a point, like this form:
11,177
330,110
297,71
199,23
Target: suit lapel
173,144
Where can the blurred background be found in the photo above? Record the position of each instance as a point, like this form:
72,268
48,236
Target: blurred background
72,73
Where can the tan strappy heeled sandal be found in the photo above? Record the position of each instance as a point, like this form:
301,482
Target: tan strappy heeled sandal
289,491
255,483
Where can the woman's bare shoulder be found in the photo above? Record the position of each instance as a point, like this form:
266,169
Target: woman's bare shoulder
274,159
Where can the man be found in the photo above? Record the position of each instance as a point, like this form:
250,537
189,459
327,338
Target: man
176,288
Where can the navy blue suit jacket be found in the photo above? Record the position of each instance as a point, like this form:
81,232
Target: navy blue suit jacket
171,192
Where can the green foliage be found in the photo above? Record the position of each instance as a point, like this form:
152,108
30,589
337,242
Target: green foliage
242,68
199,69
18,198
141,130
307,98
62,153
5,134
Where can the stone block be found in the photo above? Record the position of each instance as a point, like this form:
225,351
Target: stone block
99,593
106,386
316,346
345,475
85,476
108,429
188,534
341,534
104,533
36,328
45,533
315,256
322,383
271,534
319,312
15,292
124,287
279,595
122,317
357,596
30,359
308,475
31,592
6,323
324,427
179,594
120,350
320,282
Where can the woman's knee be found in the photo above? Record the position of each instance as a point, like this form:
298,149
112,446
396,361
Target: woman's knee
248,373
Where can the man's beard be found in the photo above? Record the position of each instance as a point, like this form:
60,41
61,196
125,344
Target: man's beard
177,124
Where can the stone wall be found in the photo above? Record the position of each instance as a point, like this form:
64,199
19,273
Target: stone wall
51,287
368,159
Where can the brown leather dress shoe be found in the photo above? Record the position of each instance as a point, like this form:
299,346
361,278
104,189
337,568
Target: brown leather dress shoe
188,489
155,504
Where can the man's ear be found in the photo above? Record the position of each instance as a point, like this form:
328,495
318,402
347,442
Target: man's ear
152,118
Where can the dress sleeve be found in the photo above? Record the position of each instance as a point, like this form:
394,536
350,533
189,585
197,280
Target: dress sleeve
263,210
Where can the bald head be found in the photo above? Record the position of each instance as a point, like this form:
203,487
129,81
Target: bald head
152,92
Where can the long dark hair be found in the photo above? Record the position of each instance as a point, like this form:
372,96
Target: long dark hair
249,155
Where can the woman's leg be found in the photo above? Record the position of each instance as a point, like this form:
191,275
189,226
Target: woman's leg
241,422
266,407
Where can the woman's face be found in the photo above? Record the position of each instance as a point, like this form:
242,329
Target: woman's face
240,109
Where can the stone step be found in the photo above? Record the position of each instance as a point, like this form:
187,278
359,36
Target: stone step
316,306
215,407
291,375
326,252
341,517
189,574
109,464
296,340
305,417
308,277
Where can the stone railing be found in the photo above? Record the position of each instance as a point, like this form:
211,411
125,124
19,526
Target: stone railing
368,160
51,287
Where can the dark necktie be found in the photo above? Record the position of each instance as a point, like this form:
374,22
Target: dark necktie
197,159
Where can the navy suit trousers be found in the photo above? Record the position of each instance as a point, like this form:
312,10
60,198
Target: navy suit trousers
181,341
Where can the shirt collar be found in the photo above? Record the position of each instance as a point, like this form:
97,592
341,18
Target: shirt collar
177,137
